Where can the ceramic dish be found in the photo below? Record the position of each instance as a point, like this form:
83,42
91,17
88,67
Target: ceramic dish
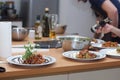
72,55
98,41
99,45
16,61
111,52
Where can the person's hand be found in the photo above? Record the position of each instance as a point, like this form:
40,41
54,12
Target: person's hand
106,29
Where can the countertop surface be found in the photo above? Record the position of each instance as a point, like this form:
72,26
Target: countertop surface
62,65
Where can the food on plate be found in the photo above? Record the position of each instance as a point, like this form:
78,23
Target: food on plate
94,40
85,54
118,49
34,59
110,44
31,56
91,48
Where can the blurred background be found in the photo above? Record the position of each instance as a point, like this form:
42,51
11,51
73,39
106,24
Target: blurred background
78,16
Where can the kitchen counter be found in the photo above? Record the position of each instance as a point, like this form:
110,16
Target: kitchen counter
61,66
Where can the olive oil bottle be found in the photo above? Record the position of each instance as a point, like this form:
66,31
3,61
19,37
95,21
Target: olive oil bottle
38,28
45,23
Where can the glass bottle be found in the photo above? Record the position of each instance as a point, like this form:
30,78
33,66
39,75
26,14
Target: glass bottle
45,23
38,28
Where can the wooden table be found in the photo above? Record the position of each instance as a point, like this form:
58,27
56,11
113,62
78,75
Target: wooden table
62,65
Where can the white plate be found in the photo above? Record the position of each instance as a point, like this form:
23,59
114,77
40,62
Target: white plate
99,45
111,52
15,60
72,55
98,41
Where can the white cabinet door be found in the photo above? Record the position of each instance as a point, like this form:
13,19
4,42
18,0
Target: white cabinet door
54,77
107,74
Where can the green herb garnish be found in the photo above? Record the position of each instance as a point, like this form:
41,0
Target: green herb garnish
28,51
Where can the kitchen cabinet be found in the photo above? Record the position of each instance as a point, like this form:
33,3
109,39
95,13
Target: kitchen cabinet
106,74
54,77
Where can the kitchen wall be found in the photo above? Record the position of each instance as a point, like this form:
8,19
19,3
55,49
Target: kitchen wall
78,16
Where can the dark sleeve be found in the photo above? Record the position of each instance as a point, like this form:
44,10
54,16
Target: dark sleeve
117,4
96,3
96,6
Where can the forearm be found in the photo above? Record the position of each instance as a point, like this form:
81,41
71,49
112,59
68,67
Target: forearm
114,18
111,11
116,31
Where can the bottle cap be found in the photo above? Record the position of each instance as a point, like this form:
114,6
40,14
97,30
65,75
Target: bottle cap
46,9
